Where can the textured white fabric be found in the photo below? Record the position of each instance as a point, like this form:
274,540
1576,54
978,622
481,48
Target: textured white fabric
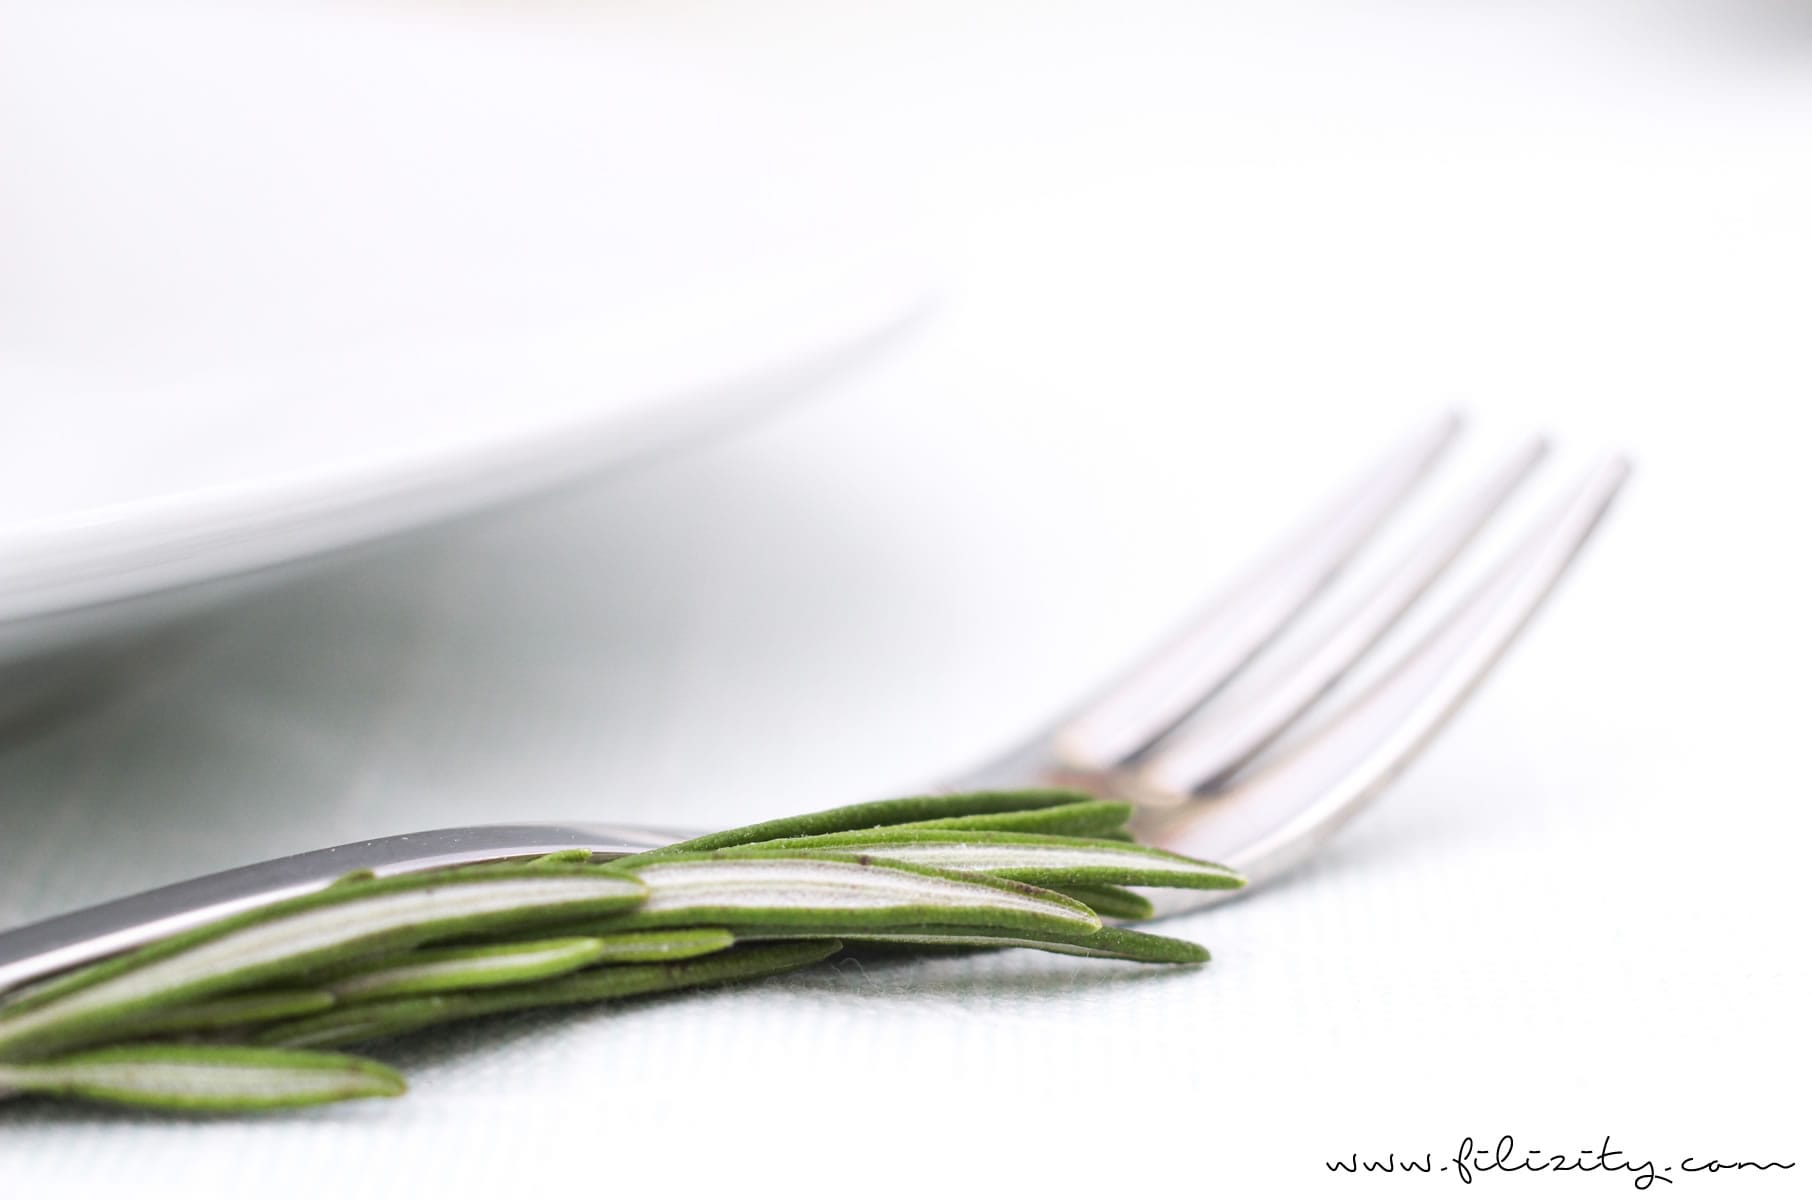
1202,264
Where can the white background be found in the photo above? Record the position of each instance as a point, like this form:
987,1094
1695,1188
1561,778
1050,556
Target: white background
1201,261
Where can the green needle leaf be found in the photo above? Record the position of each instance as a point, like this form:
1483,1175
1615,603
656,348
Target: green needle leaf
560,858
366,1022
362,1021
460,968
216,1078
662,945
1108,942
221,1012
832,894
299,935
1028,858
1114,903
450,970
1092,818
869,816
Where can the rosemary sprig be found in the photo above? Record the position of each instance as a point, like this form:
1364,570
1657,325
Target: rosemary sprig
234,1016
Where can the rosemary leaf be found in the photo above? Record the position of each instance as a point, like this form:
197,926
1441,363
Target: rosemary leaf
204,1078
221,1012
1091,818
662,945
833,894
422,971
560,858
361,1021
1107,942
868,816
299,935
367,1022
1029,858
1111,902
459,968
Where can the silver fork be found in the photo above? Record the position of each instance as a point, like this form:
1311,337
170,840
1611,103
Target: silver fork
1206,790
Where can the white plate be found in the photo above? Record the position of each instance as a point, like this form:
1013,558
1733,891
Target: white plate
279,284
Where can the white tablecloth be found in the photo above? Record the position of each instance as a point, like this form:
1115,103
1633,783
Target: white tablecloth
1201,263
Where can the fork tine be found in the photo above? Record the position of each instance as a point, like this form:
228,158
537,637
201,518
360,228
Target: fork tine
1202,758
1172,683
1281,815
